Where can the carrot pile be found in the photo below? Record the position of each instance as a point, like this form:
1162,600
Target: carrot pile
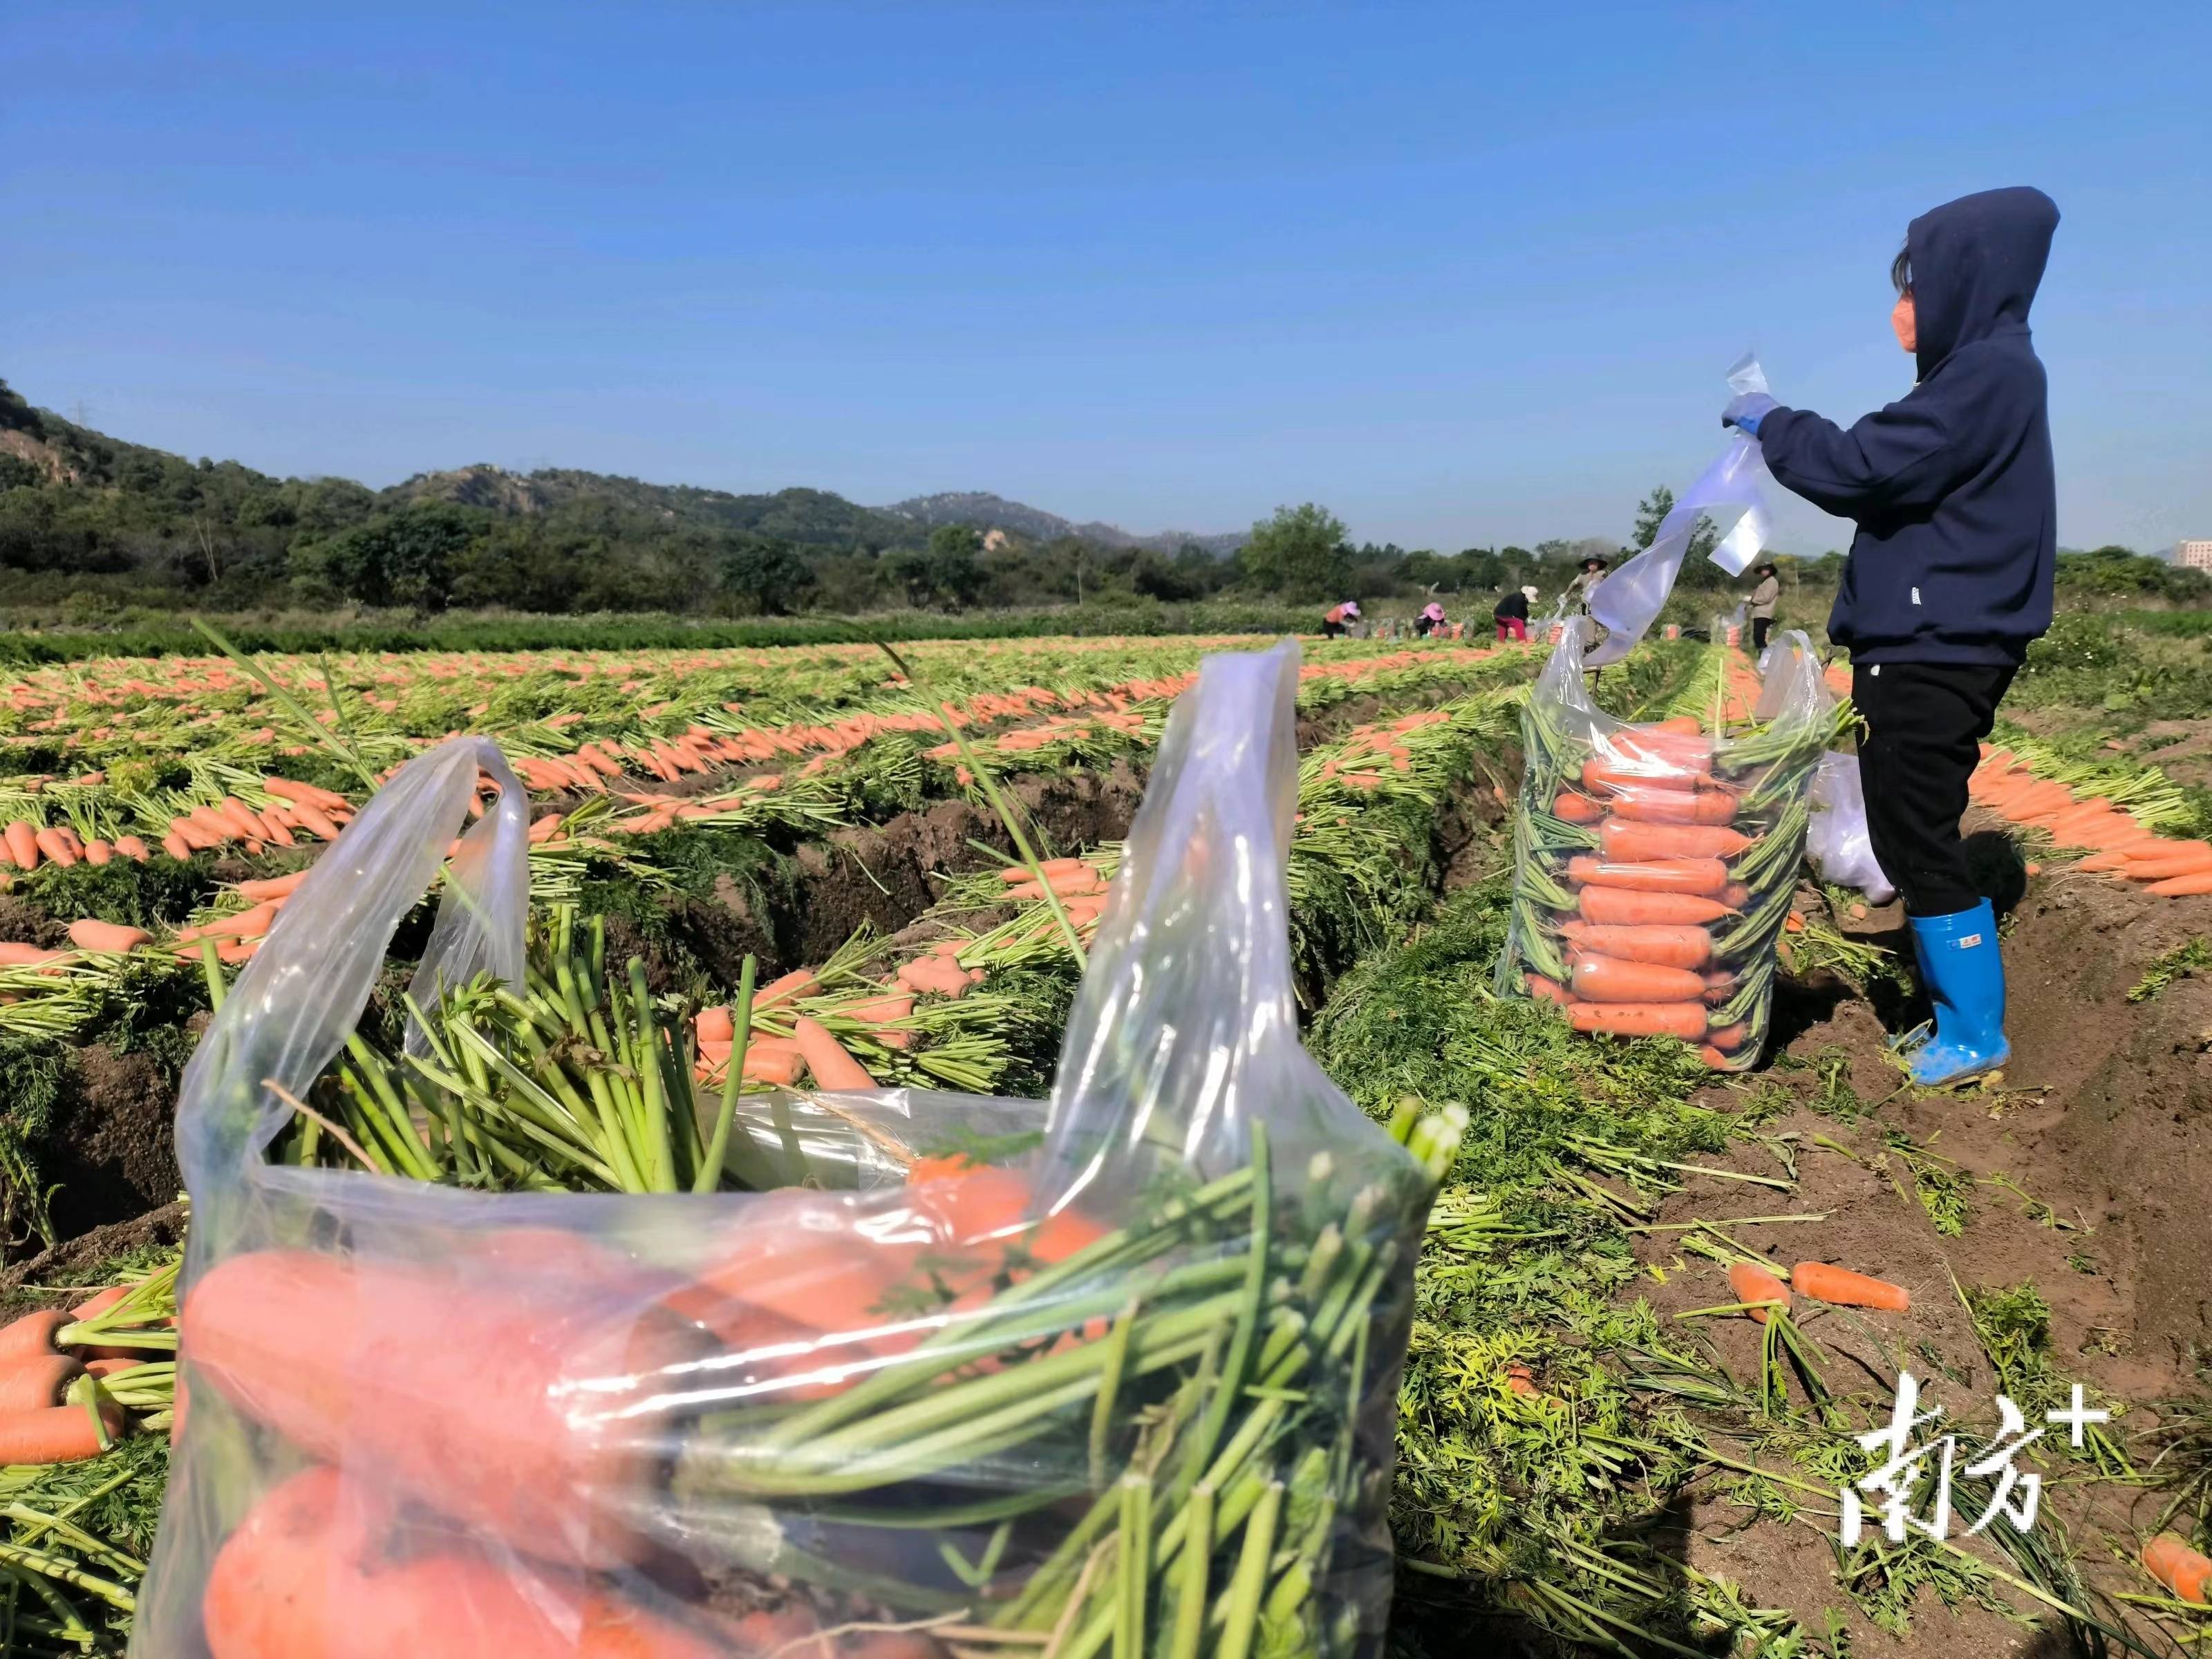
2117,841
1654,872
74,1381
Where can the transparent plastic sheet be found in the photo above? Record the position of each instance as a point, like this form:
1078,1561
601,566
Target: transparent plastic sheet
1836,841
1035,1396
1629,600
1654,865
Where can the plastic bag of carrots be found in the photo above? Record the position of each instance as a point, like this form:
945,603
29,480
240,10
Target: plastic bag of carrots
1654,865
1130,1384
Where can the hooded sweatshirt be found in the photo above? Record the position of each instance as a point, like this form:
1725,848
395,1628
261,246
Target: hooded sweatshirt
1951,486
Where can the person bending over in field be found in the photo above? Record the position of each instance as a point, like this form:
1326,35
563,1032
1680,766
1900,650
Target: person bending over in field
1511,613
1949,576
1338,618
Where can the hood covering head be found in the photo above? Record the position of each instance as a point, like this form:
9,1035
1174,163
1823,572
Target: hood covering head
1977,263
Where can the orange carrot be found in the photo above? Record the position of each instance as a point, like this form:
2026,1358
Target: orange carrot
1651,875
1623,907
1572,808
2157,866
1688,724
90,934
303,794
1846,1289
31,1337
13,955
133,849
37,1383
982,1203
1626,838
98,851
715,1025
56,847
883,1012
1605,979
1650,773
2169,1560
273,887
93,1307
826,1058
22,845
315,821
1729,1038
2198,881
1752,1283
176,845
1657,806
57,1434
1666,947
1548,990
104,1369
1685,1020
316,1569
799,982
391,1365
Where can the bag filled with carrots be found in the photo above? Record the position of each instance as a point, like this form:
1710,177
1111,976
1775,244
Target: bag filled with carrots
1654,864
1126,1381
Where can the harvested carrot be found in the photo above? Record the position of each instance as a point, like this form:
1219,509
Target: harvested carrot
15,955
1685,1020
57,1434
1650,805
273,887
2168,1558
1602,777
22,840
37,1383
91,934
1703,876
1572,808
832,1067
1668,947
112,1366
1846,1289
1752,1283
715,1025
1627,838
315,1572
56,848
799,982
2157,866
1728,1038
1606,978
98,851
133,849
93,1307
31,1336
1626,907
468,1397
1548,990
984,1203
176,845
2198,881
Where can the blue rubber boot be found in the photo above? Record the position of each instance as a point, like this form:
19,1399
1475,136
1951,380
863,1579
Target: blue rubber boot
1963,977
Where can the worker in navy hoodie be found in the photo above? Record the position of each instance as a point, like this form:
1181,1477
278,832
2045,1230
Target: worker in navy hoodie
1948,579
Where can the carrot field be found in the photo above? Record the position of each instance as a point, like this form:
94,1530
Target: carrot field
757,878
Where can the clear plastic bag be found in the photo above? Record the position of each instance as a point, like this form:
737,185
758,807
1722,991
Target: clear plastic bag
1630,599
1837,841
1138,1383
1654,865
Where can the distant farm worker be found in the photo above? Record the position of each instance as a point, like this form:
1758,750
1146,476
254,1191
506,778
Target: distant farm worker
1431,619
1334,623
1585,585
1950,577
1511,613
1764,599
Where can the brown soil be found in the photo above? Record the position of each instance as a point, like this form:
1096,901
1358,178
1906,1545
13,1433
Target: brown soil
109,1150
74,1257
2100,1115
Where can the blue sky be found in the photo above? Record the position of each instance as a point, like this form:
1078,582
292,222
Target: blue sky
1467,274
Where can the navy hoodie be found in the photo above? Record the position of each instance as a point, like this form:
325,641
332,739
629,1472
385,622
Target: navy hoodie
1951,485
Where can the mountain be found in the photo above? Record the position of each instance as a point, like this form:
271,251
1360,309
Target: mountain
983,511
812,518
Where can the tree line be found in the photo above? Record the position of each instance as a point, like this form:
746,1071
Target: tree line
92,521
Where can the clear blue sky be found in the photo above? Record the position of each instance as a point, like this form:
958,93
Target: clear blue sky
1465,273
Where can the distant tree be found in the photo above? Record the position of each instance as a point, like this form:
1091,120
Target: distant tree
1555,551
1299,554
948,572
766,570
407,558
1651,513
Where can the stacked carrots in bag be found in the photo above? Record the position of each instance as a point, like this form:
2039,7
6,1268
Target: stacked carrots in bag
1654,864
1125,1383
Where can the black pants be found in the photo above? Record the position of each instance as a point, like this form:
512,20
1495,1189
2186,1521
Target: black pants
1331,630
1760,627
1925,722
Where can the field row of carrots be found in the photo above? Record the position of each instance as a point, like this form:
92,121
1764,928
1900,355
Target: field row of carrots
2117,841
